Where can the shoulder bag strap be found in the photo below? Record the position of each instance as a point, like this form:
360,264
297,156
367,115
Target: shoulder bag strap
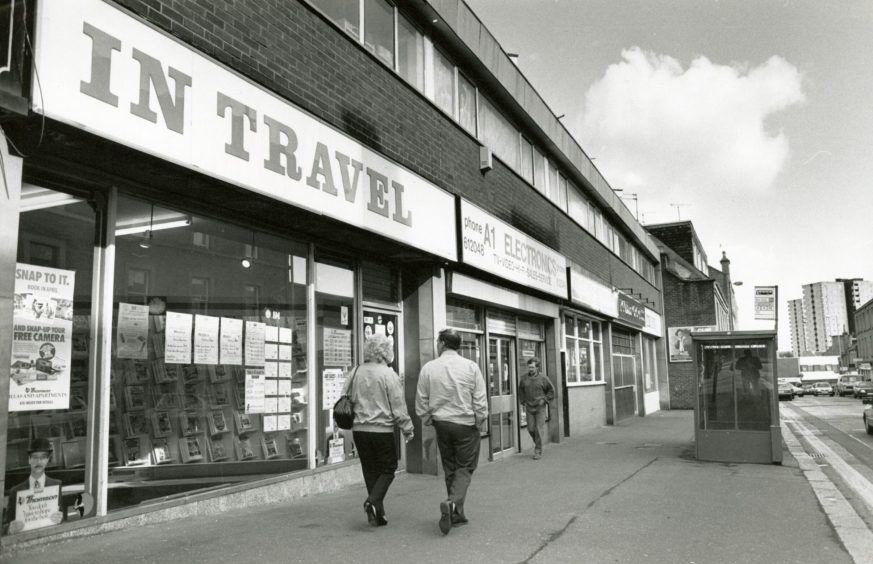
352,383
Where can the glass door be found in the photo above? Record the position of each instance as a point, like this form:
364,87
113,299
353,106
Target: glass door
501,383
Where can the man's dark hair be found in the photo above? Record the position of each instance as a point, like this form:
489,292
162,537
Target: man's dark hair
450,339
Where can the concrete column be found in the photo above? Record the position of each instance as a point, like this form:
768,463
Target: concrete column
553,352
424,316
10,198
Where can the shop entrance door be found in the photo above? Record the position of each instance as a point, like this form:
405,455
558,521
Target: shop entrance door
501,386
624,370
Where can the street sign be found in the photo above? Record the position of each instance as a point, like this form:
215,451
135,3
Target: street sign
765,302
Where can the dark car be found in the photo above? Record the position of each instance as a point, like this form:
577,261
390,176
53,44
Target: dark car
863,389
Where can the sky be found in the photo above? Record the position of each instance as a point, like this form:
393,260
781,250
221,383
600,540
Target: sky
751,118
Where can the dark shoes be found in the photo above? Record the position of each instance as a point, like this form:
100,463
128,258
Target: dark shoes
458,520
447,507
372,518
381,519
537,455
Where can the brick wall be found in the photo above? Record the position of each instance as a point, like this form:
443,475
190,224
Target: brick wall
686,303
289,48
678,237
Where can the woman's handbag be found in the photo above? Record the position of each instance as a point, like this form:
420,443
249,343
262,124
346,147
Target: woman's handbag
344,408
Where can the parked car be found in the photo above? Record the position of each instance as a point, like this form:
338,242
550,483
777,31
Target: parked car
863,389
867,415
822,389
798,391
846,384
808,389
786,391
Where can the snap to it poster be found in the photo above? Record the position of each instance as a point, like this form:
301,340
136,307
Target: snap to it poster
42,334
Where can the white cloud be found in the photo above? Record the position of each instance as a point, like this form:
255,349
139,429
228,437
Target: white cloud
657,127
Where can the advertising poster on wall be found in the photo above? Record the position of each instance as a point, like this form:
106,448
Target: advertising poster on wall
42,335
680,341
332,382
337,347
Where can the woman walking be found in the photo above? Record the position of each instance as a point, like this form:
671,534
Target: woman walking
379,406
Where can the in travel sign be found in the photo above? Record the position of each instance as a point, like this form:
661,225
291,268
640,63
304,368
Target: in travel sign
107,72
498,248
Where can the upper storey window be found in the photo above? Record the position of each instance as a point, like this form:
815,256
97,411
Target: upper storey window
379,30
410,53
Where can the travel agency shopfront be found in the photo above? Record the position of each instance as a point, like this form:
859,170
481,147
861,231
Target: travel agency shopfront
192,262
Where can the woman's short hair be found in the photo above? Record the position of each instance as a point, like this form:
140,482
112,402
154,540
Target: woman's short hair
379,348
450,338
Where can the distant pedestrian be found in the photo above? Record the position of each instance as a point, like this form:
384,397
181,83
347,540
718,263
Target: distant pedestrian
451,397
535,392
379,405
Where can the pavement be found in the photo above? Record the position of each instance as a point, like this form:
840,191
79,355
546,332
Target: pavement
632,492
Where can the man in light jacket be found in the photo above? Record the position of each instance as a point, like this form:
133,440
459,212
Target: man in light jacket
451,397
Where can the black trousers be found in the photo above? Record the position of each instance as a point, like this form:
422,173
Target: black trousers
459,450
378,464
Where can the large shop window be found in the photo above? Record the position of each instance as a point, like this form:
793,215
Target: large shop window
49,375
209,381
584,350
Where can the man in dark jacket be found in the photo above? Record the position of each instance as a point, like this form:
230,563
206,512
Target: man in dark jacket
535,392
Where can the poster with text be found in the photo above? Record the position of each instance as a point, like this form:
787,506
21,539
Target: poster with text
177,338
230,342
206,329
337,347
332,382
254,390
255,337
42,336
132,331
36,509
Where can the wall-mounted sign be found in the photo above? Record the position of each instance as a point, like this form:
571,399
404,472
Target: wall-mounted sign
593,294
631,311
765,302
498,248
653,323
110,74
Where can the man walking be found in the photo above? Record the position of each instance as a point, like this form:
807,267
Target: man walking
535,392
451,397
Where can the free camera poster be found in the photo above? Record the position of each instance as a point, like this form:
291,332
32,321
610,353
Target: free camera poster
42,335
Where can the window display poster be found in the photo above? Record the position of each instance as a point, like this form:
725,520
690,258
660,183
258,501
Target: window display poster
337,347
230,342
332,382
42,336
35,510
177,338
285,335
284,370
206,329
270,424
271,351
132,331
272,333
284,422
255,337
271,369
254,390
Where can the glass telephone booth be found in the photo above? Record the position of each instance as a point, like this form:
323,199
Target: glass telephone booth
737,410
